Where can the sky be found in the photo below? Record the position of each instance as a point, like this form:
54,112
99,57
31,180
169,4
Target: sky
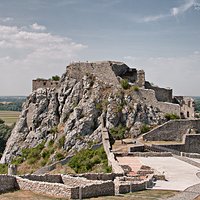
40,38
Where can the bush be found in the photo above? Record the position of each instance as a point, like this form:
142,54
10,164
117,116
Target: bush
86,159
55,78
135,88
145,128
3,168
118,132
61,142
124,83
59,156
171,116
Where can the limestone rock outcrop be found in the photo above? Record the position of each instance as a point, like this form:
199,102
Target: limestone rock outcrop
87,97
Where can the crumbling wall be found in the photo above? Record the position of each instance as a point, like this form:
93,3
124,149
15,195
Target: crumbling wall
148,97
44,178
162,94
186,106
43,83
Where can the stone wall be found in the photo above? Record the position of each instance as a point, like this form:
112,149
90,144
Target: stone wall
43,83
148,97
123,186
44,178
98,176
172,130
187,106
7,183
51,189
162,94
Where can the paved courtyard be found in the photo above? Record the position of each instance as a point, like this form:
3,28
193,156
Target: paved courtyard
180,175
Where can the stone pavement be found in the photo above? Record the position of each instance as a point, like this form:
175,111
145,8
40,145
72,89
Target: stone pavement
179,174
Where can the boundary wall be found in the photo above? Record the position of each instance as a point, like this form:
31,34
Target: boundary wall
172,130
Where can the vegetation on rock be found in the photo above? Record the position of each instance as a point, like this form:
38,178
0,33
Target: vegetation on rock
171,116
86,160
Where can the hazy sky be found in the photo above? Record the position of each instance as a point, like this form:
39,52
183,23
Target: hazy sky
38,38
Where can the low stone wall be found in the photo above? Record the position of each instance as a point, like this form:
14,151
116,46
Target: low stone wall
123,186
146,154
51,189
95,190
44,178
116,168
7,183
172,130
98,176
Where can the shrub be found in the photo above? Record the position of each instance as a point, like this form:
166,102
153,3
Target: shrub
55,78
118,132
124,83
54,130
61,142
51,142
86,159
135,88
3,168
171,116
59,156
98,106
145,128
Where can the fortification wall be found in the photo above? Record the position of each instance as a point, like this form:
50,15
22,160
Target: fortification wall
172,130
7,183
42,83
162,94
148,97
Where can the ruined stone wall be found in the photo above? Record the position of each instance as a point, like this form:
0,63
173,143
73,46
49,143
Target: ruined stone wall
162,94
98,176
172,130
7,183
148,97
124,186
94,190
42,83
44,178
101,70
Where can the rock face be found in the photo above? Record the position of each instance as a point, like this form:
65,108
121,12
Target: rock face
84,100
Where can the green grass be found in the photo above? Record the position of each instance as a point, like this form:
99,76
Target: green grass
9,117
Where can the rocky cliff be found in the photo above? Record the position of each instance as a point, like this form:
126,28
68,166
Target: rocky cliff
88,96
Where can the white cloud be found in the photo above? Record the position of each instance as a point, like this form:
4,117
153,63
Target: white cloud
175,11
153,18
38,27
25,55
179,73
182,8
6,19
